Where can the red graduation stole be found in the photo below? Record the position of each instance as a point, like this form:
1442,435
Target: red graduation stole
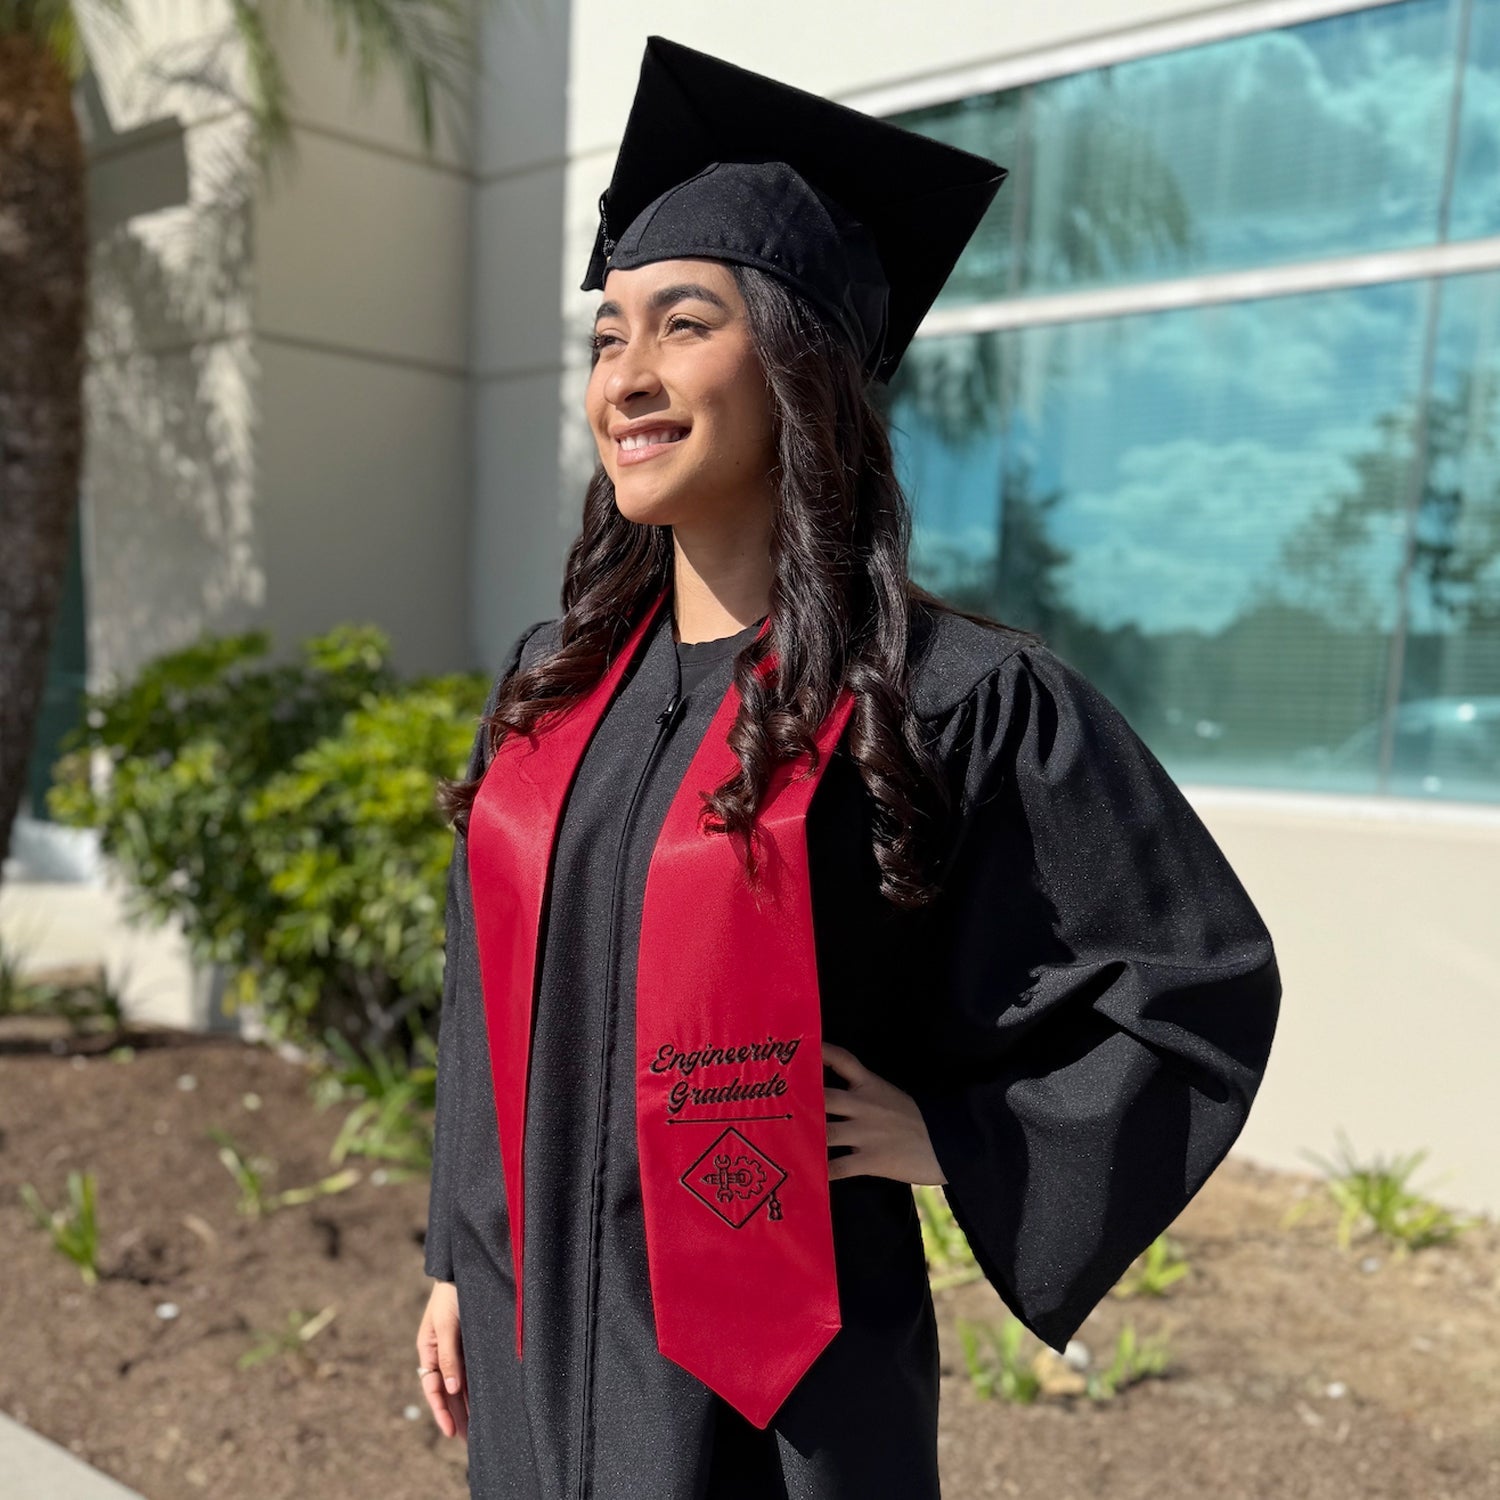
730,1121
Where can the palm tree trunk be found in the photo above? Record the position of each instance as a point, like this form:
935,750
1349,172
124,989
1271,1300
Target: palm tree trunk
43,300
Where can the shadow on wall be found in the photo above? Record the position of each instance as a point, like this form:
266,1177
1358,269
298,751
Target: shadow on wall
169,543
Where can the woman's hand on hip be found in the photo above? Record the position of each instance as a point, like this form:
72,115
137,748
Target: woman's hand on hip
440,1352
879,1121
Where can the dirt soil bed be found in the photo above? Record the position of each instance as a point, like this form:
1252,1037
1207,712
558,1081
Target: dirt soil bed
1297,1371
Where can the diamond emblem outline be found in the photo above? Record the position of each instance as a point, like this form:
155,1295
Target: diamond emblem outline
733,1179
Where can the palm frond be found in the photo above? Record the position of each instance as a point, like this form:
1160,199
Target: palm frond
273,129
56,26
430,43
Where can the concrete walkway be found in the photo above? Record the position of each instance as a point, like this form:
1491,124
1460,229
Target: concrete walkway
37,1469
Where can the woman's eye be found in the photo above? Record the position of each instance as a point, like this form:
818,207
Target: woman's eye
598,341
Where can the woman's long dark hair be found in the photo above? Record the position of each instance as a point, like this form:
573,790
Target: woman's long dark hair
840,602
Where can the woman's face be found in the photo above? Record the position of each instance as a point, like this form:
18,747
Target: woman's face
674,362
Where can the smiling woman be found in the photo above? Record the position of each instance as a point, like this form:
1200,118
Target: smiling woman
904,887
679,405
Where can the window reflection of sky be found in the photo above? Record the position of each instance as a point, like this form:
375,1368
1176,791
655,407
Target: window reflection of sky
1323,139
1476,205
1188,445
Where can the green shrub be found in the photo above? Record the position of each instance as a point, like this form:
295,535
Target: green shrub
284,814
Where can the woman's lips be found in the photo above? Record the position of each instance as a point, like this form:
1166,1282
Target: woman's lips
658,443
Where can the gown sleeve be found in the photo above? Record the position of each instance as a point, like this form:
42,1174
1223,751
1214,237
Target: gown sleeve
457,931
1109,993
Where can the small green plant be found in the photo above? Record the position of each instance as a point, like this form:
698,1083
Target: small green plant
291,1342
74,1229
76,994
997,1367
1373,1198
20,996
393,1120
250,1173
993,1359
950,1261
1154,1270
1134,1360
14,990
98,997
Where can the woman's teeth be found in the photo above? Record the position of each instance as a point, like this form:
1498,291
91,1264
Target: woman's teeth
645,439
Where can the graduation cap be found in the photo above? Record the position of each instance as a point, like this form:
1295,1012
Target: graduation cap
864,218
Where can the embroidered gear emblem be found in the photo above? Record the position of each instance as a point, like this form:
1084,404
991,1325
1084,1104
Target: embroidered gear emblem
733,1177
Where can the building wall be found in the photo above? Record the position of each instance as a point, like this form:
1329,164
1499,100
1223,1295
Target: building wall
1383,916
279,378
524,515
362,328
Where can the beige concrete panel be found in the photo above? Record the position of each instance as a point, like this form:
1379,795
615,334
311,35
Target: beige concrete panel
365,251
327,92
1384,922
587,179
363,496
518,273
832,48
523,86
171,540
524,519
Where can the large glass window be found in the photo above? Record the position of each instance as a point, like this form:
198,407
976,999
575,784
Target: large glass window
1317,140
1268,529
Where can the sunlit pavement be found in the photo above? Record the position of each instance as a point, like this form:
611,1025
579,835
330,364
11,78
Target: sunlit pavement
37,1469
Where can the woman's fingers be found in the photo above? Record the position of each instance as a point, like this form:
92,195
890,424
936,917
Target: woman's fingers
879,1125
852,1164
450,1353
440,1353
455,1382
846,1065
432,1381
438,1400
458,1410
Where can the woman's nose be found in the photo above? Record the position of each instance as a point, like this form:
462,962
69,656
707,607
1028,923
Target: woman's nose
632,373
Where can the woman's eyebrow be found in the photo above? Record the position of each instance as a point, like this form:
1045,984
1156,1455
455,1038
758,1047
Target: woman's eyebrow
665,296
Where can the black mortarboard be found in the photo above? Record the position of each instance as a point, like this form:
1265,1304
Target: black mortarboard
863,217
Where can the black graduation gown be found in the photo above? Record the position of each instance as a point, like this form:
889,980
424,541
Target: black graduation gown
1083,1018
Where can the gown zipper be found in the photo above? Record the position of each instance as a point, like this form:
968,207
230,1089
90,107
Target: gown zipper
666,721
